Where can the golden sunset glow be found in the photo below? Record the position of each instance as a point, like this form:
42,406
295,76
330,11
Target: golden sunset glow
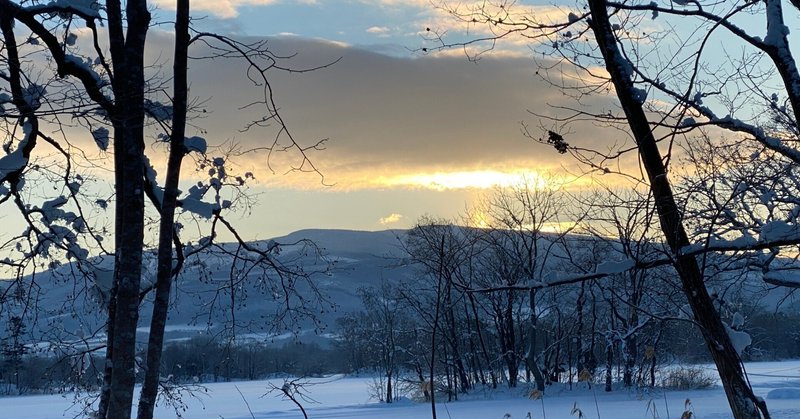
480,179
479,219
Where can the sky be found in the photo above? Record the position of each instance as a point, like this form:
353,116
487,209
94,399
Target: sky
408,134
405,133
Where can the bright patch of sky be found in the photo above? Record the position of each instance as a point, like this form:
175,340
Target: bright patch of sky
387,26
352,22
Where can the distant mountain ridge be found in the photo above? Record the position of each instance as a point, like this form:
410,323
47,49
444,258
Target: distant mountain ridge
68,312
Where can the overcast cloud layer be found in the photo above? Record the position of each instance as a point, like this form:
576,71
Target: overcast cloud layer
387,116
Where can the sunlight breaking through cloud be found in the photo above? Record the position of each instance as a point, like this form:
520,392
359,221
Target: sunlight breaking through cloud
478,179
391,218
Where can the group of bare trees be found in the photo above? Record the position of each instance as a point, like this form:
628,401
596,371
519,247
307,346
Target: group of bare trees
693,82
474,315
534,298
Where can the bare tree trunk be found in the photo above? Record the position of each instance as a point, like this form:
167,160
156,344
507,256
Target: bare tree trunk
609,363
458,363
105,391
485,352
128,121
389,390
743,402
531,361
166,236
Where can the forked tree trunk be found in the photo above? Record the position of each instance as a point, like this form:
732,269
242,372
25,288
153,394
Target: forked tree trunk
743,402
127,51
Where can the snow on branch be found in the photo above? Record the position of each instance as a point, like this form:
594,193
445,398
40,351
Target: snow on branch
86,9
774,234
16,160
65,66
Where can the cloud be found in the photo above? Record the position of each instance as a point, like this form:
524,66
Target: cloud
390,219
416,123
378,30
225,9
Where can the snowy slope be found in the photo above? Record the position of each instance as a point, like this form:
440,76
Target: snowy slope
347,397
70,310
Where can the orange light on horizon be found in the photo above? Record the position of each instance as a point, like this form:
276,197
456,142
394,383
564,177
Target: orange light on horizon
478,179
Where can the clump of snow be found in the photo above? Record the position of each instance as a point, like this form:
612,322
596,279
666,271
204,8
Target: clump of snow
200,208
152,177
776,30
158,111
784,393
16,160
101,137
639,95
766,197
790,276
614,267
89,8
33,95
85,64
778,230
572,17
197,144
739,339
194,203
738,320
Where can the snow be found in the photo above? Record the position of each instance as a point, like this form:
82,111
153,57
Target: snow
739,339
615,267
152,177
347,397
639,95
158,111
89,8
71,39
784,393
194,203
197,144
33,95
572,17
85,64
738,320
778,230
776,30
101,138
789,276
16,160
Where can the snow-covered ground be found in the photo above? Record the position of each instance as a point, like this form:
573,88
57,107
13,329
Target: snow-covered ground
347,397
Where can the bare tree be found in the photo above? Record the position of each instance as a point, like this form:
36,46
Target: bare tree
58,82
672,90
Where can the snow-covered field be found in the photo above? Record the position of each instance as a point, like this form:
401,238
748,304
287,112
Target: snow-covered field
347,397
